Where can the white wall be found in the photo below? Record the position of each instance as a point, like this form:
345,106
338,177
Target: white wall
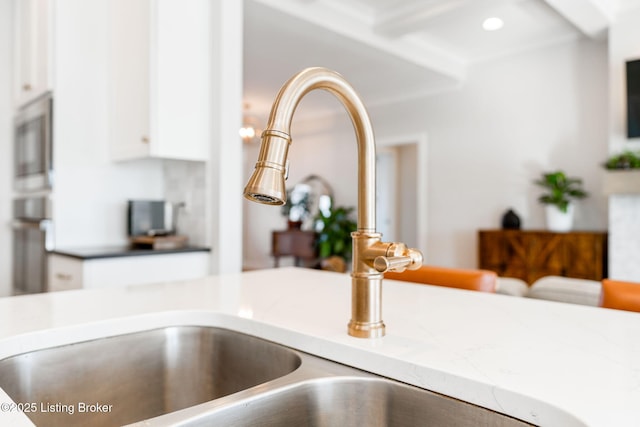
513,119
6,151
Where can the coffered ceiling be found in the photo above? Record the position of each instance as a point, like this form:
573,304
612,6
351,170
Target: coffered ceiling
396,49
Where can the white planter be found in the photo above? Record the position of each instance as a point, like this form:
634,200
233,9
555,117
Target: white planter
558,220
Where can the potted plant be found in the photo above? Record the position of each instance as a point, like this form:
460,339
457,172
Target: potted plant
561,190
624,160
334,237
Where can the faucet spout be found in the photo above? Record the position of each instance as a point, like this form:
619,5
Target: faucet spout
266,185
277,137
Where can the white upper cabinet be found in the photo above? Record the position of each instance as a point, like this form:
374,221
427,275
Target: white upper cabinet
159,79
32,55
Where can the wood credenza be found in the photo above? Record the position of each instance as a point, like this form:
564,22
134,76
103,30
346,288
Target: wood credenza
299,244
530,255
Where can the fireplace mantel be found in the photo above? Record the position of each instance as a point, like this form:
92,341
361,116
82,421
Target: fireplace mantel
621,182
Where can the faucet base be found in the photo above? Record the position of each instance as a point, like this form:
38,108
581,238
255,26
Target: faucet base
366,305
366,329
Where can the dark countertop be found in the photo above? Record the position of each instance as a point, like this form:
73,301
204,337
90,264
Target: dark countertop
96,252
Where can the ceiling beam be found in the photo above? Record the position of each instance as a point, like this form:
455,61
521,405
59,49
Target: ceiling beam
412,17
589,16
412,50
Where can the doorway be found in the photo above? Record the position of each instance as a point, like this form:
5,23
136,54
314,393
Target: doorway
401,197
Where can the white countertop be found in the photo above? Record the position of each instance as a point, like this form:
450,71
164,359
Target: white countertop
548,363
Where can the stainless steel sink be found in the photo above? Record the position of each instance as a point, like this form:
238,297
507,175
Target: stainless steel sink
140,375
352,402
195,376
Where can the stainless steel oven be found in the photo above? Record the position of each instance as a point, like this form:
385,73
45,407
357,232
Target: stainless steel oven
33,147
32,239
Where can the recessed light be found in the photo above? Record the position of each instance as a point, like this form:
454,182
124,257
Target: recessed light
492,24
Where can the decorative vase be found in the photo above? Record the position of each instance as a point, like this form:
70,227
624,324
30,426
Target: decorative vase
510,220
558,220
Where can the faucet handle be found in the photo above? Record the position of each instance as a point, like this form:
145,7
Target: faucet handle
412,260
396,263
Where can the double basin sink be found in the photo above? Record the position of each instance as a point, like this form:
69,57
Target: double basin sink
208,376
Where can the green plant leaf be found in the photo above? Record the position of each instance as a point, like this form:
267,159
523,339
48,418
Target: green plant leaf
335,236
624,160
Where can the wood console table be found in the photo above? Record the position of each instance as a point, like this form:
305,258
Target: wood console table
530,255
296,243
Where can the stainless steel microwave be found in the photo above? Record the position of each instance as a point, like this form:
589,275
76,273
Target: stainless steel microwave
33,145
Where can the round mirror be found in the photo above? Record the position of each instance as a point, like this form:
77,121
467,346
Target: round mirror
307,199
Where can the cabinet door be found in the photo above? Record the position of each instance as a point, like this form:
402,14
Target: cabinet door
492,251
129,68
159,53
504,252
181,74
545,255
64,273
516,255
586,256
32,55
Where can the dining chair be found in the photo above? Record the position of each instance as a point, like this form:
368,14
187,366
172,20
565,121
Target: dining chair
473,280
620,295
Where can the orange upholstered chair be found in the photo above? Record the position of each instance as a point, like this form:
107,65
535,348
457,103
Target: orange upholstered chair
620,295
473,280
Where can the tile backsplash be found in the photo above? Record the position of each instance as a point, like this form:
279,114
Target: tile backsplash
185,181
